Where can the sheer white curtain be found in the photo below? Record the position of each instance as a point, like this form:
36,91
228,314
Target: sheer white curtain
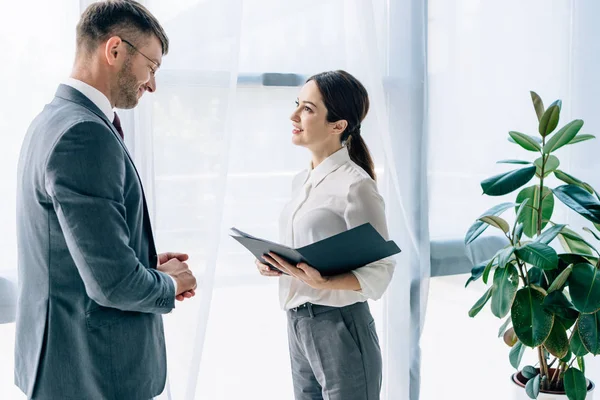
407,195
181,138
484,57
218,154
213,148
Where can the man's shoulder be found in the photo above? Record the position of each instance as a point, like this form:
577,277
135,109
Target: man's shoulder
68,113
60,116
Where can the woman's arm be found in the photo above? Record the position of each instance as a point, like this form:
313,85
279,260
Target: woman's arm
365,204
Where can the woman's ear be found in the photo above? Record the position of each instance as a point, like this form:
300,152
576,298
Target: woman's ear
339,126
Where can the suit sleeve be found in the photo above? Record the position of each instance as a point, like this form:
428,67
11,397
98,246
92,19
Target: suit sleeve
85,176
365,204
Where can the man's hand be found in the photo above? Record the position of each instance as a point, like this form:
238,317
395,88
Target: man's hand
174,265
164,257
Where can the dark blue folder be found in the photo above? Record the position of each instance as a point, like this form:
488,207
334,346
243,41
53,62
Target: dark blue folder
334,255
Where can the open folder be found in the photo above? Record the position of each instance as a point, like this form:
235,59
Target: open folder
337,254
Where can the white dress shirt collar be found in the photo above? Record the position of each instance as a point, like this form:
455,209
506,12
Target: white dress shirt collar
95,96
327,166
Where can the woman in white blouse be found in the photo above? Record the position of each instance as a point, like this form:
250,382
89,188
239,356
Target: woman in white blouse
334,348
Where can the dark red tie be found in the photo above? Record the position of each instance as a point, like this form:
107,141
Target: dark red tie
117,124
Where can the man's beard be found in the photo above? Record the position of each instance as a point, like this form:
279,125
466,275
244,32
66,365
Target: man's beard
127,87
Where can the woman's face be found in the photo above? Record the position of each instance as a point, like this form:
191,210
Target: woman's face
309,120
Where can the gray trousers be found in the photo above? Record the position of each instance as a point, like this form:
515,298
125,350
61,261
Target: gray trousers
334,352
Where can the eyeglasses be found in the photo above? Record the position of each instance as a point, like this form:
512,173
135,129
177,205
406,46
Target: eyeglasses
153,70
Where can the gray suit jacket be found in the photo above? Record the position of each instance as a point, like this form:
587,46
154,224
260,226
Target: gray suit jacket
90,297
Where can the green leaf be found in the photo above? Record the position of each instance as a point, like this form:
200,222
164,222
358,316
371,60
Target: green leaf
529,372
568,323
563,136
589,332
574,244
506,182
520,207
567,358
552,163
539,254
550,118
549,234
506,281
585,228
560,280
504,256
481,302
576,344
584,288
532,387
557,342
539,289
536,276
581,364
581,138
521,162
529,216
569,234
571,180
488,268
574,258
525,141
580,201
479,227
531,322
538,104
518,232
590,189
503,327
516,354
557,303
476,272
575,384
497,222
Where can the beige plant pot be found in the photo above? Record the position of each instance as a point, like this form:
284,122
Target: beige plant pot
519,390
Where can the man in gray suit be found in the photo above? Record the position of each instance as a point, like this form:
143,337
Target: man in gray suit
91,285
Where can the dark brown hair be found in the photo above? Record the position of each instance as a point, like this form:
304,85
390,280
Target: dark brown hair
127,18
346,98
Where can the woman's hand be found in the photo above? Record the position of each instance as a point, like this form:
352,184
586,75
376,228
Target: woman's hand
265,270
302,271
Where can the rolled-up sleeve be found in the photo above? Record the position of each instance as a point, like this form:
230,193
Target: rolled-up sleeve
365,204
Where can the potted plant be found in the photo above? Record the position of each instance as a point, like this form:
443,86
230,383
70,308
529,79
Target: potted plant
546,281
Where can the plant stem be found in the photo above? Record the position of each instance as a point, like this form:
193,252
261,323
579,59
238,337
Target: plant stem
543,365
556,374
523,274
539,224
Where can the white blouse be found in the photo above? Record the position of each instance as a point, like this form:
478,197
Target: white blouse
335,196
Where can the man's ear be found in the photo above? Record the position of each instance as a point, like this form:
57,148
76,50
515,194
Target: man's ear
339,126
114,50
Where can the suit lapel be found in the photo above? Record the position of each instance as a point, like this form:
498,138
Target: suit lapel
68,93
